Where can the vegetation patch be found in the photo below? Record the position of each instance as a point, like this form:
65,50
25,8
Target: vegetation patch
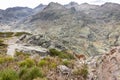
18,53
30,73
82,71
43,63
27,63
6,34
6,59
8,74
60,54
12,34
21,33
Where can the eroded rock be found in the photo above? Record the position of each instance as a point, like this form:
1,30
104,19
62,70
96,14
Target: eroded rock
106,67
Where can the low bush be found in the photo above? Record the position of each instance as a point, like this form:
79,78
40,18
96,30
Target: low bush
82,71
6,59
54,52
53,65
30,73
21,33
8,74
43,63
18,53
6,34
27,63
60,54
66,63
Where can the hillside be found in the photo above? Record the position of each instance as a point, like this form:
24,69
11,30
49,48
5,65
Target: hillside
85,28
60,42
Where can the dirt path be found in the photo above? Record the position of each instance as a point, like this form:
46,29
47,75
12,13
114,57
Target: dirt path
12,46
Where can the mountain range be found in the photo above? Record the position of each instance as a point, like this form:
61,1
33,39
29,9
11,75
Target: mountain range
84,28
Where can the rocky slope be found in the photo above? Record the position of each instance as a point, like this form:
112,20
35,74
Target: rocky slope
107,66
86,29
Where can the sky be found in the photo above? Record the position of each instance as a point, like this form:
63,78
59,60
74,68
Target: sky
33,3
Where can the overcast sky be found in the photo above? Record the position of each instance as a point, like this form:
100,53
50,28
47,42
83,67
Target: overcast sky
33,3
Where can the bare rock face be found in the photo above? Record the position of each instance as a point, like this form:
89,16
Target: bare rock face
108,67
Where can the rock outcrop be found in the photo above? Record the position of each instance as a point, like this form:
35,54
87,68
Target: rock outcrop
106,67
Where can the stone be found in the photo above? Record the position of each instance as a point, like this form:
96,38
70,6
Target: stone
62,69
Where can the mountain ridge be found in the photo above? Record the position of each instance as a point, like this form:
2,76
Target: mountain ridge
85,28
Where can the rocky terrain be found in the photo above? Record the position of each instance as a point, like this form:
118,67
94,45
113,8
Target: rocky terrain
60,42
25,61
85,28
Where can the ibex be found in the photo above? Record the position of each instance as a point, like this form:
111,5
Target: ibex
79,56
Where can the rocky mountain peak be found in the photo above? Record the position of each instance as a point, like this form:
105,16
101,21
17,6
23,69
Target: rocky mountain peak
88,6
17,8
73,3
40,5
39,8
85,4
52,6
109,4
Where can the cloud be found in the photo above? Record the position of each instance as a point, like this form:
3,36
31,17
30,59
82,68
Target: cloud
99,2
33,3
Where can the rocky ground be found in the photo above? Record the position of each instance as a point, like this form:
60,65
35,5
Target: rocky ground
85,28
54,64
60,42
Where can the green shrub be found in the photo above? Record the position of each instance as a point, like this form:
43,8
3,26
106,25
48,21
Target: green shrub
21,33
48,62
63,56
6,34
18,53
22,72
2,44
83,71
27,63
6,59
8,74
54,52
2,60
70,56
30,73
1,41
9,58
52,65
66,63
43,63
60,54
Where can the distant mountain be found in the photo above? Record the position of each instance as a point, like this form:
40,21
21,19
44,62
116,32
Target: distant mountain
39,8
14,14
1,14
82,7
17,12
84,28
